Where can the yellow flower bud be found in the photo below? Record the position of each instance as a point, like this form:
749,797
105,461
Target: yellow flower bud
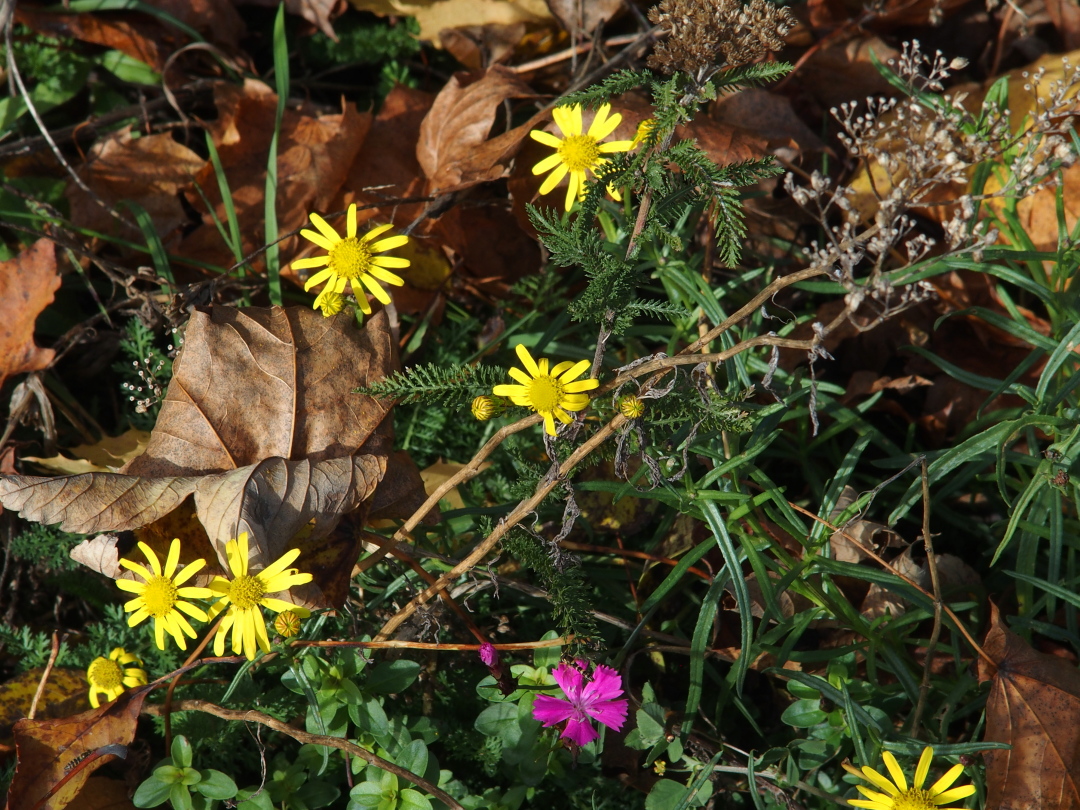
485,407
631,407
330,302
287,624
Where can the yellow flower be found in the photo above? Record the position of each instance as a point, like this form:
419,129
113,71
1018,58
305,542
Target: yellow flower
631,407
549,393
108,677
578,152
485,407
160,595
330,302
898,796
351,260
245,594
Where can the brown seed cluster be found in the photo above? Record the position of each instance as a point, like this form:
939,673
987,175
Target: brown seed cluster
704,33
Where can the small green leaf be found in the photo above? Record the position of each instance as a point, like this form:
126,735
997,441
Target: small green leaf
392,677
216,785
804,714
413,800
151,793
181,752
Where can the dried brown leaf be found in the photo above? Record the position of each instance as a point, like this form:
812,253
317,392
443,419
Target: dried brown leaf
313,157
48,750
435,15
149,170
583,16
1034,705
259,425
454,149
27,285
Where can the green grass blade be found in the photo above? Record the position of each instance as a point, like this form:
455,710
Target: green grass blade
233,240
742,594
281,77
158,253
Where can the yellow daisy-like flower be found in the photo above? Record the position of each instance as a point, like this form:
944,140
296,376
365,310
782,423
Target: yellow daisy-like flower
579,152
245,594
352,260
330,302
549,393
108,677
898,796
161,596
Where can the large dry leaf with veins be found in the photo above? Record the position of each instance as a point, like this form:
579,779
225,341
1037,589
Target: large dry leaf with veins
260,428
1034,705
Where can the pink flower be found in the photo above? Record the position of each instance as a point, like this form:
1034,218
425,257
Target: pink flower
488,654
585,701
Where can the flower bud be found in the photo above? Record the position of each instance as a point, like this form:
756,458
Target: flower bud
287,624
631,406
485,407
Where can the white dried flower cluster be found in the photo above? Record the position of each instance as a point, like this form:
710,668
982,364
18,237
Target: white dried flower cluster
920,150
147,371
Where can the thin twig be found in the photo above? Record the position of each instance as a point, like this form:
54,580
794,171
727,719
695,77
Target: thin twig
562,56
252,716
167,709
421,645
935,583
45,676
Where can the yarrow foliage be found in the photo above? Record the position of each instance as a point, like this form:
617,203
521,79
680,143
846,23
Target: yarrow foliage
587,699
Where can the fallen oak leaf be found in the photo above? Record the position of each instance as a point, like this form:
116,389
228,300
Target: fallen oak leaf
1034,705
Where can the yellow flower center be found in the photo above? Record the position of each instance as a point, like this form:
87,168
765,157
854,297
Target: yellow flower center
350,258
913,799
579,152
545,393
246,592
105,674
159,596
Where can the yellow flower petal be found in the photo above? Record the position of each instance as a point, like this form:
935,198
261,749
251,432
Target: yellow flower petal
527,360
318,279
547,164
151,557
616,146
554,179
173,559
389,243
350,222
388,261
130,585
943,783
923,768
953,795
895,771
325,229
310,262
602,126
375,232
549,423
547,139
318,239
873,776
190,570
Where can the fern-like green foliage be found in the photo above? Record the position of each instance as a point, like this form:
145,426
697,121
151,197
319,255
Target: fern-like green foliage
432,384
571,606
614,85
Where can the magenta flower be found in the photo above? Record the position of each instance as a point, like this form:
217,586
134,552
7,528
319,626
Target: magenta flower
488,654
595,699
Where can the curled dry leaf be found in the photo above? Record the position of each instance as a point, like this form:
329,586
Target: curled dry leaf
27,285
435,15
1034,705
454,150
260,426
49,750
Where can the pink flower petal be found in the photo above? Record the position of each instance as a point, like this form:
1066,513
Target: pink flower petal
571,679
580,731
612,713
606,685
551,710
488,654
